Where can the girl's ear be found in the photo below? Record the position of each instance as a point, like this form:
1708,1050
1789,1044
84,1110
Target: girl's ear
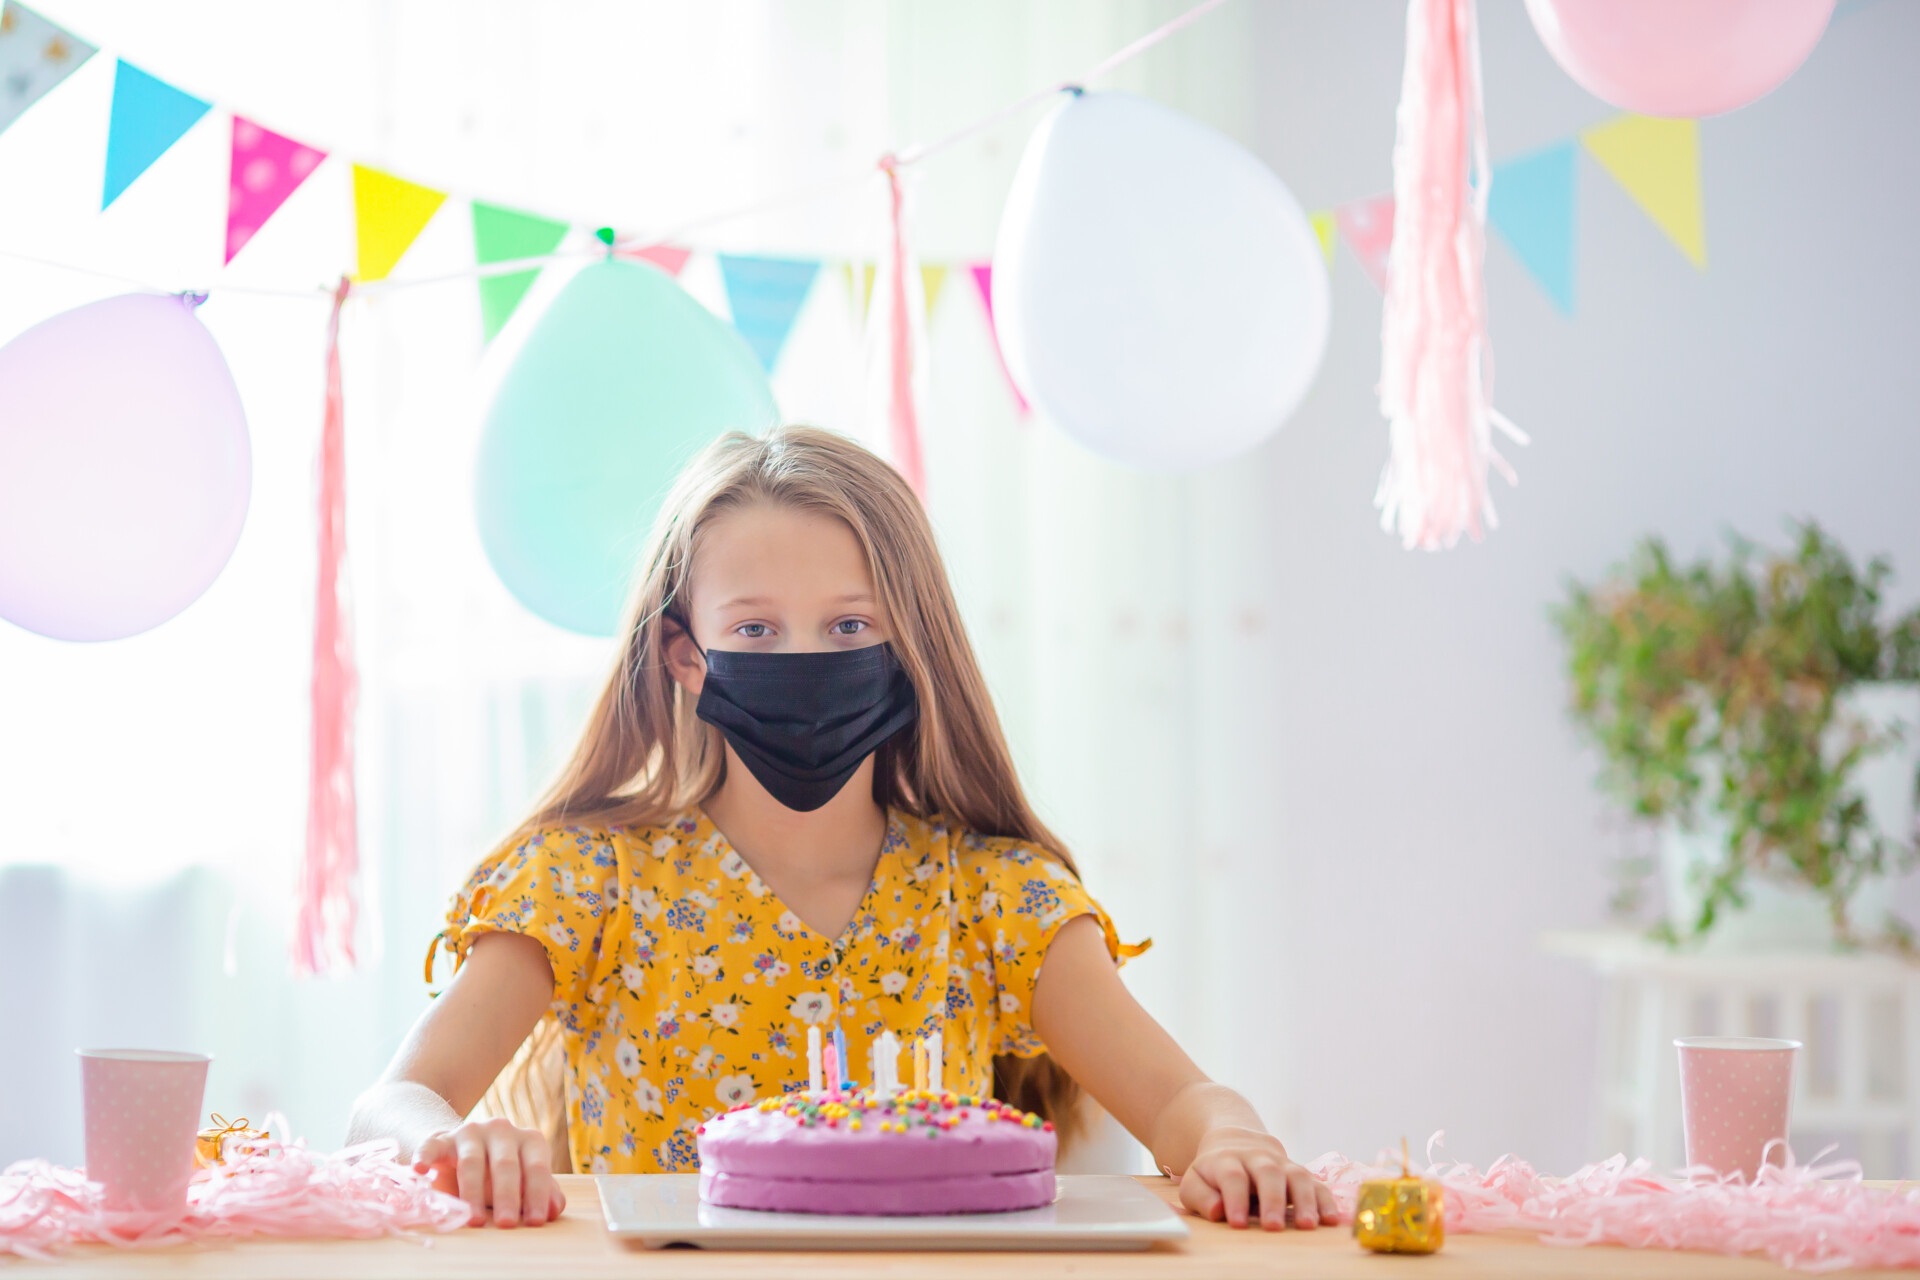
684,663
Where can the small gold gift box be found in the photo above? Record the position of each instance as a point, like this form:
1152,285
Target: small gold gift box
209,1144
1400,1215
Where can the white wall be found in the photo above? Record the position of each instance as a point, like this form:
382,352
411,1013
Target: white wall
1438,812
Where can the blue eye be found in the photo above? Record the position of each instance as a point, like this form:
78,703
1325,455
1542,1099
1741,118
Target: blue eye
848,627
752,630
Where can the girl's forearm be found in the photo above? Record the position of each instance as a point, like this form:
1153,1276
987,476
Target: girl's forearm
1190,1114
402,1110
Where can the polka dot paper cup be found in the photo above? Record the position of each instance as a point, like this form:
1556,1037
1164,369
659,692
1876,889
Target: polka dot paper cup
142,1111
1736,1093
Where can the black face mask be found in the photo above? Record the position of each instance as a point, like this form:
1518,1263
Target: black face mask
803,722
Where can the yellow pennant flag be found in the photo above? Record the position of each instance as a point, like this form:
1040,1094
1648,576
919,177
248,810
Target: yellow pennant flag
388,214
1658,162
1327,227
931,278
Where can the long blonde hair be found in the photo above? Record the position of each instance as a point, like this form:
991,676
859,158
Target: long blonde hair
646,756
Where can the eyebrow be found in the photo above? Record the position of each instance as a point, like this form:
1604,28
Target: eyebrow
858,597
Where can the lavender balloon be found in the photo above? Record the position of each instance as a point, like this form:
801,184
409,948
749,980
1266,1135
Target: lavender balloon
124,468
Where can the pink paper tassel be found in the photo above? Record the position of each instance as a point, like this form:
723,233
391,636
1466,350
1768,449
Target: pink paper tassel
323,933
903,416
1435,362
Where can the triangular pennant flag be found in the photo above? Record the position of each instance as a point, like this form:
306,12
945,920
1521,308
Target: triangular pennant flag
1658,162
148,116
669,258
765,295
983,281
1326,229
389,213
1531,206
859,288
931,278
266,169
1368,228
501,235
35,55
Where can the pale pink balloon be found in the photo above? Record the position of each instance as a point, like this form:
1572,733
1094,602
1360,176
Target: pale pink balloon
124,468
1680,57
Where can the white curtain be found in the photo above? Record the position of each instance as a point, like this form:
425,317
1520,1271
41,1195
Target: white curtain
153,789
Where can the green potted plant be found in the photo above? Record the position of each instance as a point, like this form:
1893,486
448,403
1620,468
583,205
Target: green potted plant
1759,710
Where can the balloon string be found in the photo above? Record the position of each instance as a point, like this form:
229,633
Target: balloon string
903,419
780,200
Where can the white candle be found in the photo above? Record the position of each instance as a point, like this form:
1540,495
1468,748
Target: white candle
936,1063
886,1065
816,1081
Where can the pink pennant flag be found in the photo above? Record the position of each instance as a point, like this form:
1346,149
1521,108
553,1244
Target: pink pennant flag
1367,226
266,169
669,258
983,279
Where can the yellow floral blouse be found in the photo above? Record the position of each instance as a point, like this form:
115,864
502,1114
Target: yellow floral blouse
683,986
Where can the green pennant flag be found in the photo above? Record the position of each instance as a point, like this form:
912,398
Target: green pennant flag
501,235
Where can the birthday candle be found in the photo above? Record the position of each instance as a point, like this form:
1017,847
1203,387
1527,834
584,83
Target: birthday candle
886,1065
840,1052
815,1081
936,1064
920,1064
832,1057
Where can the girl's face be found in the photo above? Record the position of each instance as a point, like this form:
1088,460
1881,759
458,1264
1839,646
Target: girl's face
777,579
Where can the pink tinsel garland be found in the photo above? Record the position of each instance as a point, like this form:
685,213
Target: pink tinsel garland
262,1188
323,931
1812,1217
1435,359
903,414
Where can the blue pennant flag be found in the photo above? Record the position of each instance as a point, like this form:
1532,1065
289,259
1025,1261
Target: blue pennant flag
149,116
35,55
1531,206
765,295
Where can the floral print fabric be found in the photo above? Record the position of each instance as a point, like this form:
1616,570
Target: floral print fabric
683,986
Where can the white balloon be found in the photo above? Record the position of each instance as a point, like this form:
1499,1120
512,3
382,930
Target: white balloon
1158,293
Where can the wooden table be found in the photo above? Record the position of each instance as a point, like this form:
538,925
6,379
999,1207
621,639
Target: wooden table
577,1247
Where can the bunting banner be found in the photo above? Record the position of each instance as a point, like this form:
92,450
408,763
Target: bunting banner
35,55
148,117
389,214
1658,163
1367,227
931,278
267,167
1531,206
983,281
501,234
765,296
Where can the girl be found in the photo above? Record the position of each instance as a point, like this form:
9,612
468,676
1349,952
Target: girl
792,807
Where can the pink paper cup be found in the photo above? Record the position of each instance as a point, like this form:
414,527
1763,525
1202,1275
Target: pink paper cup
1736,1093
142,1111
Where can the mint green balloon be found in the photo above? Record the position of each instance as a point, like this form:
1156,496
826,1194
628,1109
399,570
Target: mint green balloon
621,382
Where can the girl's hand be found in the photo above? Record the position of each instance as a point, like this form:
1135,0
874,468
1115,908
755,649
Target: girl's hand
1234,1166
492,1165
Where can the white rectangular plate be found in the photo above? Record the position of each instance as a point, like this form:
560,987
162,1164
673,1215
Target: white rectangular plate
1090,1212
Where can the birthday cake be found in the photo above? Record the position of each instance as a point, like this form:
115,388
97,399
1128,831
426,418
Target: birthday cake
886,1153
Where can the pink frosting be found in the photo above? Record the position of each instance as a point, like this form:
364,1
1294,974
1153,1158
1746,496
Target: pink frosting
954,1156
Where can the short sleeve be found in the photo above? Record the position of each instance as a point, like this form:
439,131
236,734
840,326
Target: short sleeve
1016,897
557,887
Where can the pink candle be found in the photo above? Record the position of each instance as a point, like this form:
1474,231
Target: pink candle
831,1057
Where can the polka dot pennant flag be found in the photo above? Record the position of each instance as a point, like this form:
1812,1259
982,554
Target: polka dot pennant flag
35,55
267,166
148,117
983,281
1367,226
389,213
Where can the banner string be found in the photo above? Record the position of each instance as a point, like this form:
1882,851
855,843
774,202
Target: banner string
780,200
